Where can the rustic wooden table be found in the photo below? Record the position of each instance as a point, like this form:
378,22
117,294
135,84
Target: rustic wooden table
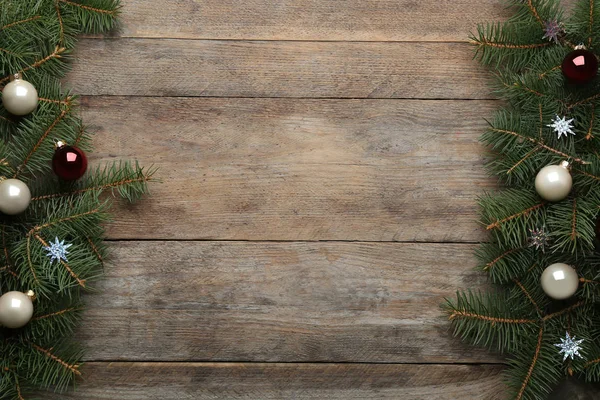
320,166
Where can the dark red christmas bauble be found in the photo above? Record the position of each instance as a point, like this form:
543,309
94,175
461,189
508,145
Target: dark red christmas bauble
580,66
69,163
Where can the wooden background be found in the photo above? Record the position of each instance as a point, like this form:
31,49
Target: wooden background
320,166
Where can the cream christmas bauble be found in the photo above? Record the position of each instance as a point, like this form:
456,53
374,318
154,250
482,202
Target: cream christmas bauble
16,309
560,281
14,196
19,97
554,182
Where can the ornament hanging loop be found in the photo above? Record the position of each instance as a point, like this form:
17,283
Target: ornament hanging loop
16,76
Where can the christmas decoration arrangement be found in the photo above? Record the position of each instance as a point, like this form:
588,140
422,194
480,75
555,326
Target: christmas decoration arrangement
52,205
543,253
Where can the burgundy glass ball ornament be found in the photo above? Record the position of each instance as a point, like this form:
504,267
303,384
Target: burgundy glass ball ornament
580,66
69,163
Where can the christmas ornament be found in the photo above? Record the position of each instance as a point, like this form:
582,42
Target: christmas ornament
551,30
57,250
19,97
14,196
69,162
554,182
569,347
539,238
559,281
580,65
16,309
562,126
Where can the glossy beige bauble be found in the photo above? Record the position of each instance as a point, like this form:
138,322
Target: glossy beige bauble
553,183
14,196
560,281
19,97
16,309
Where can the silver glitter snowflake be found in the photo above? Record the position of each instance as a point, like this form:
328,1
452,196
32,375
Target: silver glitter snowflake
570,347
552,29
562,126
57,250
539,238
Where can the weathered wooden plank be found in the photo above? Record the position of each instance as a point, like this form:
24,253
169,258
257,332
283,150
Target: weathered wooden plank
363,20
277,169
280,302
151,67
198,381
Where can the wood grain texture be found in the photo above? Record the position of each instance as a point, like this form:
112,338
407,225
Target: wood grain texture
342,20
280,302
152,67
199,381
277,169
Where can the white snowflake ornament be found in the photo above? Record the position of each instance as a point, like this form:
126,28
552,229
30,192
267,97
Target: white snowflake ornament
552,30
57,250
570,347
562,126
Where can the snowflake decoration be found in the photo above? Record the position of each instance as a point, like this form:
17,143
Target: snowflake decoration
562,126
57,250
570,347
539,238
552,29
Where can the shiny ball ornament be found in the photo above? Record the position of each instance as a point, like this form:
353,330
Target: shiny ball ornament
14,196
560,281
69,163
16,309
19,97
554,182
580,66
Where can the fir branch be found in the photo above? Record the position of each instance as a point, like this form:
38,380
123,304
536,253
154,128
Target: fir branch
522,160
500,257
542,145
23,21
564,311
542,75
589,134
56,54
496,224
487,318
56,313
534,361
534,12
18,389
528,295
583,101
60,23
574,233
40,141
70,218
74,368
498,45
89,8
591,22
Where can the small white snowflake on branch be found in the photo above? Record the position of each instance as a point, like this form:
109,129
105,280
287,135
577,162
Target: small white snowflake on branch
569,347
562,126
552,30
57,250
